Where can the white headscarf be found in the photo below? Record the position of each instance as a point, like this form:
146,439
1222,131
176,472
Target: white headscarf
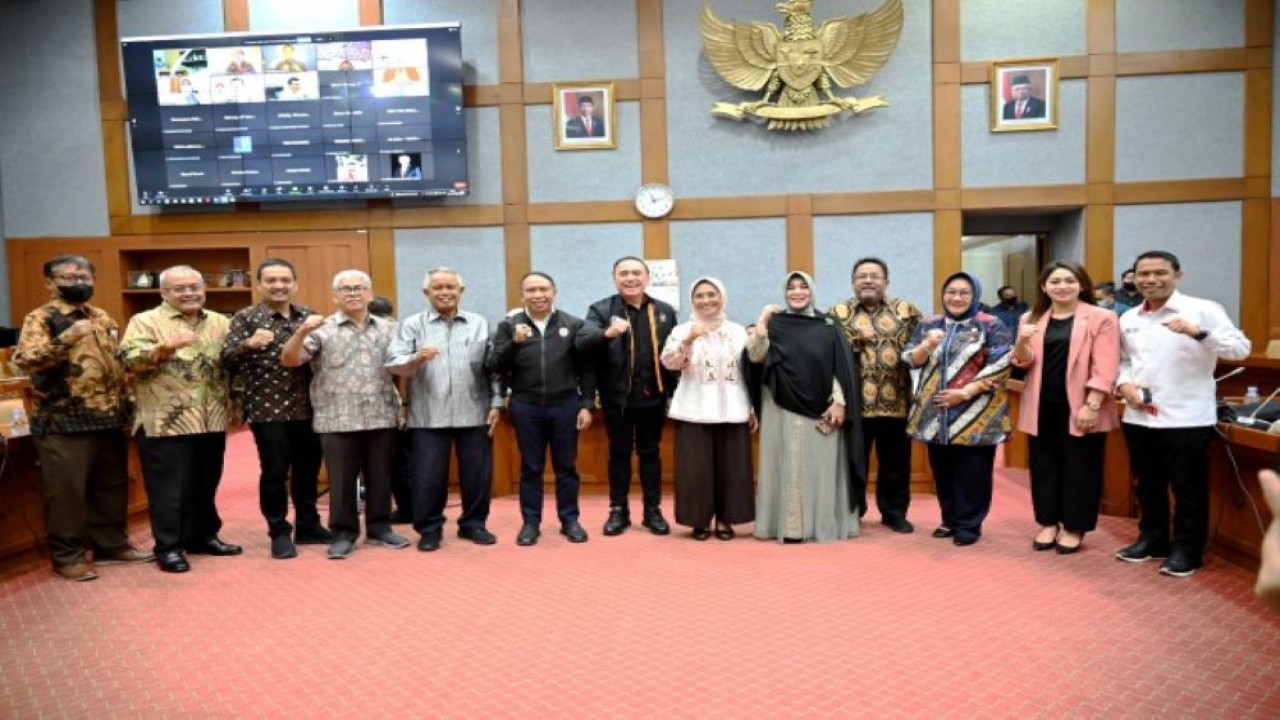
715,321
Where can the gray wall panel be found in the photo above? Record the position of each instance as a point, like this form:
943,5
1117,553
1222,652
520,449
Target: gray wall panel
1048,157
579,40
50,131
575,175
476,253
1204,236
140,18
286,15
904,242
479,30
888,148
1153,25
1175,127
749,256
580,258
995,29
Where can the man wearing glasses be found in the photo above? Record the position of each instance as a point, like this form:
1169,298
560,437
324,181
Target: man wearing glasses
174,354
355,409
68,347
879,328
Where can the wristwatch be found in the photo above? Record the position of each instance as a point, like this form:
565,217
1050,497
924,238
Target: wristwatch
1200,335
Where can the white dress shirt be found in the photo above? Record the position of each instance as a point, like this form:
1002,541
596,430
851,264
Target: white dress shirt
1177,368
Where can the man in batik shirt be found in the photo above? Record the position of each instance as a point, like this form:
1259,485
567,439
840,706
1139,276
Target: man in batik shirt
173,353
68,348
878,328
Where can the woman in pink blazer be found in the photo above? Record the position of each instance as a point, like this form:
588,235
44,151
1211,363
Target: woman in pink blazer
1071,352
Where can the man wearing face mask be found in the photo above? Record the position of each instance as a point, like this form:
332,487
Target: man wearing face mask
1009,309
1127,295
68,348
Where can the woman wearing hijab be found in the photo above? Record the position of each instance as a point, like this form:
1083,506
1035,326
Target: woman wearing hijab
960,409
713,414
810,462
1071,351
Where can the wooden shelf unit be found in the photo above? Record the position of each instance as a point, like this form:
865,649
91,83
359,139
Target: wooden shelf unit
316,255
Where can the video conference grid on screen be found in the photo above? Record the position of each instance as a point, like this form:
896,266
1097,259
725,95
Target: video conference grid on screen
238,118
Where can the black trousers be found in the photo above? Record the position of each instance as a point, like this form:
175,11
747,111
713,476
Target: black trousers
1177,458
893,474
713,474
540,428
432,450
350,456
402,473
86,492
1066,471
289,455
639,430
962,477
181,473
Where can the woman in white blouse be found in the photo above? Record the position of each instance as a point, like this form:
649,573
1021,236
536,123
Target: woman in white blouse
713,415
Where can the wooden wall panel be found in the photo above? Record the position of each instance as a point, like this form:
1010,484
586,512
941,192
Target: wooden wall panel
800,233
1255,250
947,229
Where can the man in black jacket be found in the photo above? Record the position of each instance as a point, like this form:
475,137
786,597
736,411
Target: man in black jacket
552,394
628,331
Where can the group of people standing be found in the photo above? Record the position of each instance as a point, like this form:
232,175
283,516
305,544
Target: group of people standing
824,389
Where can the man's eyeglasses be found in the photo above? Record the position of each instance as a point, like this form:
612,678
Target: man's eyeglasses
867,276
180,289
350,289
74,279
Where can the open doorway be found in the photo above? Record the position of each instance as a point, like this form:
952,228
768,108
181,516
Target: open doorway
1007,248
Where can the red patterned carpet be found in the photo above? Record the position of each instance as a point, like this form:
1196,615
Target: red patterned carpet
641,626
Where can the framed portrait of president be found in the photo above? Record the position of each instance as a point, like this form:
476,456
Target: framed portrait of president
1024,95
583,116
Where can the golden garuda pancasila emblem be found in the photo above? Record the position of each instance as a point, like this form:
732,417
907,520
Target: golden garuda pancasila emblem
800,64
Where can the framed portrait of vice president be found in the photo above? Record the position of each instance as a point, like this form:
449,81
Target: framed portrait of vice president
1024,95
583,116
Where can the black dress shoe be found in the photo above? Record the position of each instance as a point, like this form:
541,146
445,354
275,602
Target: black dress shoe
963,540
1043,546
900,525
943,532
725,532
529,534
701,533
282,548
619,520
173,562
1144,550
655,522
477,535
214,546
429,542
573,530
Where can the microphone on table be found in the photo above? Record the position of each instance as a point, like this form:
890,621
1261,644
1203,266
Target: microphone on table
1251,420
1233,373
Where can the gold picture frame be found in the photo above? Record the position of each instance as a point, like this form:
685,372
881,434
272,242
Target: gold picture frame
1024,94
583,116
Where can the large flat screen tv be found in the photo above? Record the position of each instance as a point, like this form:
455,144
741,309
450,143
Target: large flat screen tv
264,117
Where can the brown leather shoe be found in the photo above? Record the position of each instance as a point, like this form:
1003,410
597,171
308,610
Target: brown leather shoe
76,572
123,555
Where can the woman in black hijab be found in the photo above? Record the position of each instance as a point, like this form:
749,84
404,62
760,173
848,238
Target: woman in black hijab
807,395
